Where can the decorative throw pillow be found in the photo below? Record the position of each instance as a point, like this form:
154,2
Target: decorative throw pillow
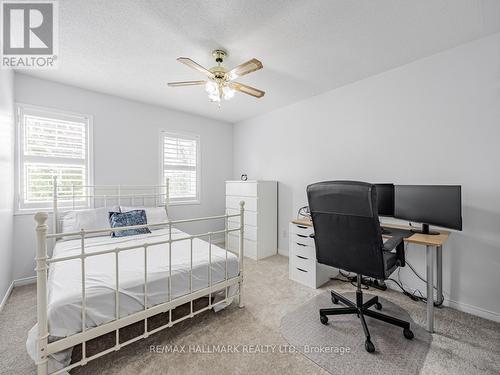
154,215
125,219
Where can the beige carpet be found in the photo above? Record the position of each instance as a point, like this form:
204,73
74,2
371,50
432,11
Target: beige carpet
462,344
338,346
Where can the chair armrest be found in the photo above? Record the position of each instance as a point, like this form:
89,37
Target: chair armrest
393,242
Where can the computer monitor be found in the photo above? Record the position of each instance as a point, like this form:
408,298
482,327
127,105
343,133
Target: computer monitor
439,205
385,199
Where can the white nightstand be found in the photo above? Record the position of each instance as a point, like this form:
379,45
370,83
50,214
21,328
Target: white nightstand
303,267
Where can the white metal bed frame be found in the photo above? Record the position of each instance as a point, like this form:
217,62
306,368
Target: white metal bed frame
45,349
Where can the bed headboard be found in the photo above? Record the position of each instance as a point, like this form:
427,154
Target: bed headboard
73,197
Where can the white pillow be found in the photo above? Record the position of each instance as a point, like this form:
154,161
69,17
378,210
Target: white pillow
89,219
154,215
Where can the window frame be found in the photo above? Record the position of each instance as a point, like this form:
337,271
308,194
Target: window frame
185,135
20,109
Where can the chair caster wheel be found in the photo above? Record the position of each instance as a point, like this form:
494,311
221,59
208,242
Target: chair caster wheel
335,300
408,333
378,306
323,319
370,348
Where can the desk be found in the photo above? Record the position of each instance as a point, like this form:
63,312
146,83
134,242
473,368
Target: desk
434,245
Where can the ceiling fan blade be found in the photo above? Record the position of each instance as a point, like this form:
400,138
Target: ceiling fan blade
249,90
196,66
245,68
186,83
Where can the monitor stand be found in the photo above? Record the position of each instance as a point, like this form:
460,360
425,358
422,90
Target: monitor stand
425,230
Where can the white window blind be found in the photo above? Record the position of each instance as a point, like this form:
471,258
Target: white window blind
52,144
180,160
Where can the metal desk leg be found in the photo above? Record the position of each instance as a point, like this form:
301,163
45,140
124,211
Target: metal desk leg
430,289
439,274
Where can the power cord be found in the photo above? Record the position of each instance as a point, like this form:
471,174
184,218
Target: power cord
407,293
420,297
347,278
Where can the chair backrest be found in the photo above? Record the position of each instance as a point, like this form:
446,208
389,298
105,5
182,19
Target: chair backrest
346,226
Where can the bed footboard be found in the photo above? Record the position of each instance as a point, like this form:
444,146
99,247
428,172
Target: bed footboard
45,349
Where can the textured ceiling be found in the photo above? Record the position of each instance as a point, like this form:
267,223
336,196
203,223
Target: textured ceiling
128,47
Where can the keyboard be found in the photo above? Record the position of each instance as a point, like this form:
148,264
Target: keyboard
396,232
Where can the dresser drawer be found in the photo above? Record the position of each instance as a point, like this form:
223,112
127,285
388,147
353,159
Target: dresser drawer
303,230
246,189
303,240
308,252
249,232
249,246
307,264
303,276
303,267
233,202
250,217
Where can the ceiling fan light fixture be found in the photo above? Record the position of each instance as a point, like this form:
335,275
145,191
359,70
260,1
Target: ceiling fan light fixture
214,97
212,88
227,93
220,85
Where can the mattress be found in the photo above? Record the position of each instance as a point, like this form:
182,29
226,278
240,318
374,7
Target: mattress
65,280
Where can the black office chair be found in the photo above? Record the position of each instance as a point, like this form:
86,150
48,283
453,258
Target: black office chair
347,235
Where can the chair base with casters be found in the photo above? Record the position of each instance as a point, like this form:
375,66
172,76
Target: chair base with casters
361,310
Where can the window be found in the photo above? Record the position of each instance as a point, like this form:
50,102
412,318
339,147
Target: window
52,143
181,165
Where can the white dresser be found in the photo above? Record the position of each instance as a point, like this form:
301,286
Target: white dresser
302,263
261,216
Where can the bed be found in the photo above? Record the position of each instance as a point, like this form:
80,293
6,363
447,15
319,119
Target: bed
91,286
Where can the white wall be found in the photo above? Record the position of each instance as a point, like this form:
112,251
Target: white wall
434,121
6,178
126,151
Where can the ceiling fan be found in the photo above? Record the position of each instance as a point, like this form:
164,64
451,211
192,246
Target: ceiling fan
220,84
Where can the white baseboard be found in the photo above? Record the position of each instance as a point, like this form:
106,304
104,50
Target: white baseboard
474,310
25,281
16,283
6,296
460,306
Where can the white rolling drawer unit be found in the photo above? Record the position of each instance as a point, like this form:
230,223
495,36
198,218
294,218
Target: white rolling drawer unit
302,263
261,217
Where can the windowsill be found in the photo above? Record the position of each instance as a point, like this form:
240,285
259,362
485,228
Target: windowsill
184,203
32,211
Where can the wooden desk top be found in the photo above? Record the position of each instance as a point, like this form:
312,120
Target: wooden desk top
305,222
417,238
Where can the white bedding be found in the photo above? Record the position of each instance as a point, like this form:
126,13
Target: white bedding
64,283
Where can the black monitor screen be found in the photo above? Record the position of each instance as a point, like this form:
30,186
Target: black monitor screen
439,205
385,199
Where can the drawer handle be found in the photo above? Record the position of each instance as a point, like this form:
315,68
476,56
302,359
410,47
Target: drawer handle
300,244
300,269
301,226
301,257
301,235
